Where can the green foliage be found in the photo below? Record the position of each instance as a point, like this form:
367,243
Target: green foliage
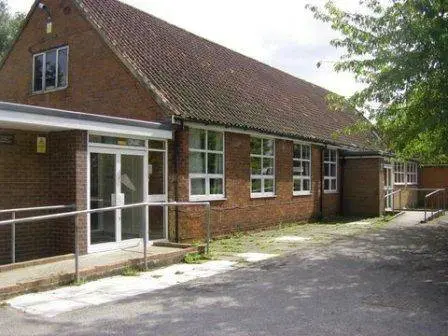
196,258
400,53
9,27
130,271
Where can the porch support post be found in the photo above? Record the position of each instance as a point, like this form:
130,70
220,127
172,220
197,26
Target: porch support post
13,239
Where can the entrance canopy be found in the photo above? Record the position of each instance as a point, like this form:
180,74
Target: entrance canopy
27,117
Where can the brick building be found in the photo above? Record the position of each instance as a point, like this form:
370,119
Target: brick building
102,104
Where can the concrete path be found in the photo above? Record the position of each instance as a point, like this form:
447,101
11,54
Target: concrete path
392,281
40,276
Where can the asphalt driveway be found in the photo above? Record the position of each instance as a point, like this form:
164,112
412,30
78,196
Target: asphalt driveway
388,282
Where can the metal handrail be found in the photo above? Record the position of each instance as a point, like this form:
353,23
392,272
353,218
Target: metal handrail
13,213
435,192
146,205
391,194
42,208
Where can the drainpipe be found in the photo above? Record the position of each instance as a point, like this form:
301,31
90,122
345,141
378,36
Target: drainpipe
178,126
341,186
321,201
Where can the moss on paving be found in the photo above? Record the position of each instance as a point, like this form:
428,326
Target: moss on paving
318,233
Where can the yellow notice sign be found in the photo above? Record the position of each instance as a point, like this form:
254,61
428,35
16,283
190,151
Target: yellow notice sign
41,145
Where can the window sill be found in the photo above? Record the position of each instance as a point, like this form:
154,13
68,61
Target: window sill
256,196
207,199
35,93
331,192
299,193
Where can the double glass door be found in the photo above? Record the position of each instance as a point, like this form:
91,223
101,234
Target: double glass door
117,178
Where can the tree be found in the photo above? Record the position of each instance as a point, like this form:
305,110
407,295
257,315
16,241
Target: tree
400,53
9,27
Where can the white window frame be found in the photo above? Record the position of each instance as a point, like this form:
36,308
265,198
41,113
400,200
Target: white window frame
411,172
263,177
44,64
330,178
402,172
302,177
207,196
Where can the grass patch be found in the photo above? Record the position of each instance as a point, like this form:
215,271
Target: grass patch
196,258
130,271
80,282
3,304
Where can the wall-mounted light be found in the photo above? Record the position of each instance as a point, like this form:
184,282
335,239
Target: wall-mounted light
45,8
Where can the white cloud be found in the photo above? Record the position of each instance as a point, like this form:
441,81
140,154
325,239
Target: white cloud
281,33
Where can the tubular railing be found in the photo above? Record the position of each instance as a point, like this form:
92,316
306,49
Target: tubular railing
14,212
392,194
434,202
145,230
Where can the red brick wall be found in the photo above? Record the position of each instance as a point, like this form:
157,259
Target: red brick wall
363,187
434,177
98,82
239,211
29,179
68,176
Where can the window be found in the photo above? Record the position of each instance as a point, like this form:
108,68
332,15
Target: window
399,172
262,156
302,169
50,70
405,173
206,164
411,173
330,170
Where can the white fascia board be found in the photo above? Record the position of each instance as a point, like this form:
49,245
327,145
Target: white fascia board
79,124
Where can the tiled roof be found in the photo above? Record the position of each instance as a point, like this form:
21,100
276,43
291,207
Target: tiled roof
199,80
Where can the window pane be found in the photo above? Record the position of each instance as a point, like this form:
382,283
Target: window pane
297,151
198,186
297,185
333,170
333,184
215,163
268,147
326,155
50,70
38,60
255,165
62,67
306,185
215,141
326,184
156,164
256,185
197,163
197,138
216,187
306,152
297,168
332,155
326,169
255,146
154,144
268,185
268,166
306,168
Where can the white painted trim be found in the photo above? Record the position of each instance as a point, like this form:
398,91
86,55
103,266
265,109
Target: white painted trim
205,198
301,193
262,195
105,128
56,87
301,178
207,176
251,133
363,157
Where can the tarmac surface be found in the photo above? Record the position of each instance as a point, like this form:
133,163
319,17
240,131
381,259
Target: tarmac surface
392,281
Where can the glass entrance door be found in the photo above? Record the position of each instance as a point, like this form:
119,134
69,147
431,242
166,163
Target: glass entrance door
117,177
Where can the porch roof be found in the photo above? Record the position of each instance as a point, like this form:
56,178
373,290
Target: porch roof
28,117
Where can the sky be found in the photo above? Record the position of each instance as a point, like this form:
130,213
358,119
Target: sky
281,33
